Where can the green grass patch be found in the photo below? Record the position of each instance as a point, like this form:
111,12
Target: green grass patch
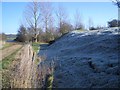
80,30
8,60
11,38
37,61
49,81
36,46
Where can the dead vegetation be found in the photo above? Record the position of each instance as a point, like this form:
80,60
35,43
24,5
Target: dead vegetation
44,74
5,69
23,69
27,70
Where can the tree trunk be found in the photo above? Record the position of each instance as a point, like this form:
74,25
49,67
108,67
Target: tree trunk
118,13
35,38
118,17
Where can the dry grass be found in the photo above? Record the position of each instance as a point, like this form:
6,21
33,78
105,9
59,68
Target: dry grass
6,66
24,72
45,74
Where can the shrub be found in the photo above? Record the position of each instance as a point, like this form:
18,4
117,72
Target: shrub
114,23
22,35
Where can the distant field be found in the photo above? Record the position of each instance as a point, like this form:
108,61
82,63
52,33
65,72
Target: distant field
11,36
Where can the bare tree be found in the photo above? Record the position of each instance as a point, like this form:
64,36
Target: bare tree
61,15
32,16
90,21
117,2
46,14
78,20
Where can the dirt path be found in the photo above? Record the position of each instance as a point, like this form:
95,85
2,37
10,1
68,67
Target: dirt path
6,52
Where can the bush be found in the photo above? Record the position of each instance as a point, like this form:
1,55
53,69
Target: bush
27,35
114,23
22,35
51,42
92,28
65,28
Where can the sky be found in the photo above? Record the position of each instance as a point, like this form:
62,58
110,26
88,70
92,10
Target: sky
99,12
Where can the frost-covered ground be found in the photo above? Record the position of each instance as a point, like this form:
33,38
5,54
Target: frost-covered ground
87,59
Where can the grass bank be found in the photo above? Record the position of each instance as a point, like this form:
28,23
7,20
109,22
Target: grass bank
8,60
48,78
5,64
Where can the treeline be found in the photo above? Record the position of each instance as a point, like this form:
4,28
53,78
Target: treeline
42,23
27,34
112,23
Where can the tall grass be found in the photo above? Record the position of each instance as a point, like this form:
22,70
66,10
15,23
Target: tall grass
45,75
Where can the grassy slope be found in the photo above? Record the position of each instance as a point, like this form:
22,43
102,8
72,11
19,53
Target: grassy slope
8,60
